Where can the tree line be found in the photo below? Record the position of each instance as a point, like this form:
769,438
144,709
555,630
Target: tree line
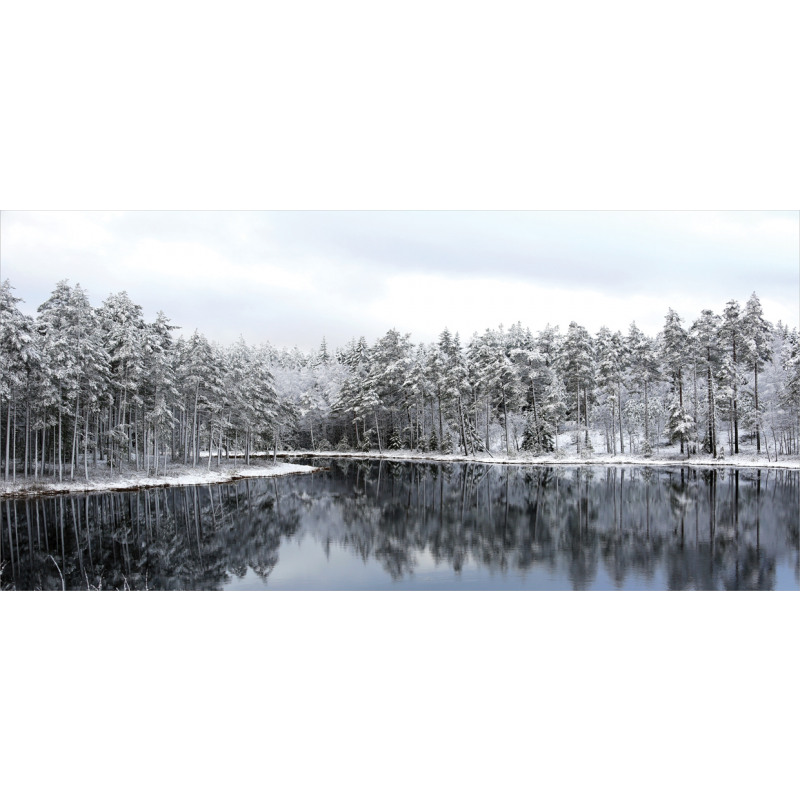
82,386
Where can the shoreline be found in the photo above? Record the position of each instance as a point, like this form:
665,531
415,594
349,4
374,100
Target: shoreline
740,461
131,482
179,475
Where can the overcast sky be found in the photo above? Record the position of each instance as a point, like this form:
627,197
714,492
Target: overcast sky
294,277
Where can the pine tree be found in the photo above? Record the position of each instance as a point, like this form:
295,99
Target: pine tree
611,359
705,334
577,368
418,389
732,332
158,390
790,394
679,421
324,357
451,381
644,371
395,441
21,360
72,338
757,335
675,355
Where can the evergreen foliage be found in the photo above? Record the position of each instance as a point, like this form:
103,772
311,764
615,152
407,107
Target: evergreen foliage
106,386
395,442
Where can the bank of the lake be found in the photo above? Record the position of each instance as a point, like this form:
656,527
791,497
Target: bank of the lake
668,459
264,466
176,475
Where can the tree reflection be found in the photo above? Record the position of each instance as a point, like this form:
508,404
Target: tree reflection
676,528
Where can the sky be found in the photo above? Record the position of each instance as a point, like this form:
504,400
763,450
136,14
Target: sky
292,277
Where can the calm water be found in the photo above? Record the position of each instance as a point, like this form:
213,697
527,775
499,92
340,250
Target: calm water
395,525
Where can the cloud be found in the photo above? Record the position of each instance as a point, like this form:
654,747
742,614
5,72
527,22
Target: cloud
293,277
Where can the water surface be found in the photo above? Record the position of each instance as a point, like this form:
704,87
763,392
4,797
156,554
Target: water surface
411,525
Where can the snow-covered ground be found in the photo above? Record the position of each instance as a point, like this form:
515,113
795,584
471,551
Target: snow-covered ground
177,475
180,475
666,457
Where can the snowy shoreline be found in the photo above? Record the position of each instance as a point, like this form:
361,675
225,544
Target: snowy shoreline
741,461
178,476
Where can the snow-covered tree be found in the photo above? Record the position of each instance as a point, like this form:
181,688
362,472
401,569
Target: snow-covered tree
705,336
578,370
757,335
644,371
674,346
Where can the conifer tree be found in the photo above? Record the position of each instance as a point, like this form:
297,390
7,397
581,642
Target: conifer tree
577,367
705,333
757,335
674,354
610,374
644,371
732,332
21,360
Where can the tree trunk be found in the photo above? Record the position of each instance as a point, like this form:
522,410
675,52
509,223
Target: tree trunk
185,435
27,433
421,412
157,444
136,436
86,446
122,409
613,431
586,413
735,403
60,439
487,422
475,405
195,432
696,415
211,442
619,417
377,431
463,428
8,434
441,426
758,417
536,417
712,422
505,422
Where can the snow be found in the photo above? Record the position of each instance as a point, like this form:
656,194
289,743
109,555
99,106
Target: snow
177,476
669,457
180,475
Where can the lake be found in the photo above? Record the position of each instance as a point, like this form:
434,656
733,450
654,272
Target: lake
415,525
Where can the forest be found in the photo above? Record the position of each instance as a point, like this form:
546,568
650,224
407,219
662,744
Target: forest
85,388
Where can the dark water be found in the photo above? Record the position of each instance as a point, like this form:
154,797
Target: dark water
395,525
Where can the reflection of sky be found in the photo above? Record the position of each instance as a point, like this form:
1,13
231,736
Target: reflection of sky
294,277
303,565
347,514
